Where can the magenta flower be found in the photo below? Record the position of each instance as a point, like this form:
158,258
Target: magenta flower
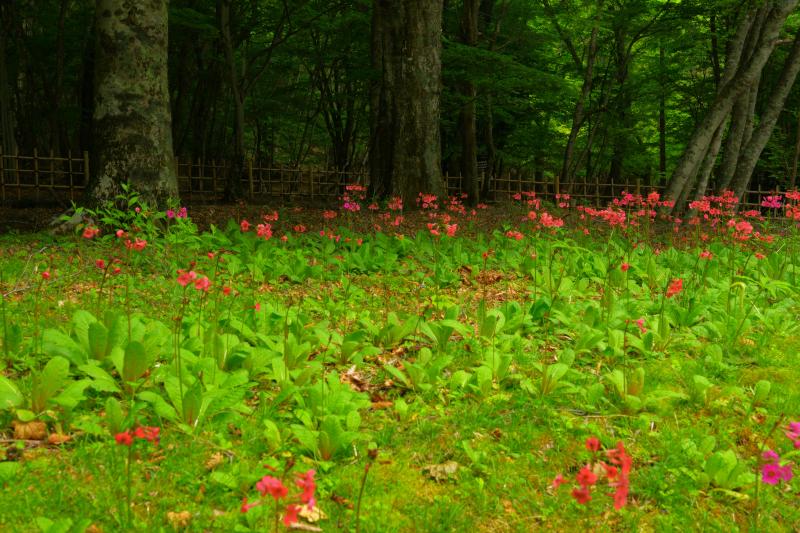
771,473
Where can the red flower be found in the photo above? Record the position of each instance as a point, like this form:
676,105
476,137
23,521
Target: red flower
244,225
558,481
593,444
184,278
675,287
124,438
624,267
247,506
148,433
226,291
46,275
586,477
582,495
90,233
272,486
100,264
290,516
202,284
306,482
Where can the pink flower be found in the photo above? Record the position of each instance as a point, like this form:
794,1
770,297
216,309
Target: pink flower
182,212
202,284
771,473
272,486
148,433
46,275
451,229
120,233
760,256
170,213
640,325
184,278
307,484
558,481
771,456
705,254
247,506
244,225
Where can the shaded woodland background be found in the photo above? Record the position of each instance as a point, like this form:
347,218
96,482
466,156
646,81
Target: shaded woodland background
569,90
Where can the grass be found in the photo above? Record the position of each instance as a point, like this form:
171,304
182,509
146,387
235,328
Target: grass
475,366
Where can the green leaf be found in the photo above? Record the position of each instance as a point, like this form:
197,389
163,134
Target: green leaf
47,383
135,363
98,340
10,396
55,342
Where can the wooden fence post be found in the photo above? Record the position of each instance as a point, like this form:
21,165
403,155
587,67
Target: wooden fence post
36,173
69,176
86,173
250,176
638,186
16,172
2,176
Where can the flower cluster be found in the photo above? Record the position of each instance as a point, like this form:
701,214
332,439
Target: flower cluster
352,198
615,472
148,433
201,283
274,487
181,213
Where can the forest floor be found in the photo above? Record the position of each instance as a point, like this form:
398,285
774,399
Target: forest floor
516,368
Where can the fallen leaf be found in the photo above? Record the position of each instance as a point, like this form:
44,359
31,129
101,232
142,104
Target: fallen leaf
179,520
311,515
382,405
341,500
214,461
441,472
58,438
35,430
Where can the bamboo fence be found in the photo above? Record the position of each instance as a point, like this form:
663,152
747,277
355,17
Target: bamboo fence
46,177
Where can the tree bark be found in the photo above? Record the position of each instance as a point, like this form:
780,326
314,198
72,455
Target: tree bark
745,75
662,116
233,183
749,155
579,112
796,156
7,123
133,134
467,121
405,155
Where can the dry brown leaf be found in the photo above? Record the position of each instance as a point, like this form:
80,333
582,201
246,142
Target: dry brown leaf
214,461
311,515
57,439
35,430
94,528
442,472
179,520
382,405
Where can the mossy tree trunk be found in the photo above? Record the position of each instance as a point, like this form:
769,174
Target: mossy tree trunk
405,154
132,120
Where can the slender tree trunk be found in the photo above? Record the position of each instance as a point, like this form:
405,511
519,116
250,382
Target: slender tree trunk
739,119
662,117
467,125
132,124
621,110
405,153
749,155
796,156
746,74
233,184
580,105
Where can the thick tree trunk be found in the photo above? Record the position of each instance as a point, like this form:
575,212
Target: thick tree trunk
8,140
745,75
405,156
750,153
736,133
132,126
705,169
467,125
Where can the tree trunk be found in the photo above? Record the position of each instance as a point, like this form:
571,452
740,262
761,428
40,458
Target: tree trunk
621,109
467,126
745,75
749,155
233,183
405,156
662,117
8,143
133,134
796,156
705,169
580,105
